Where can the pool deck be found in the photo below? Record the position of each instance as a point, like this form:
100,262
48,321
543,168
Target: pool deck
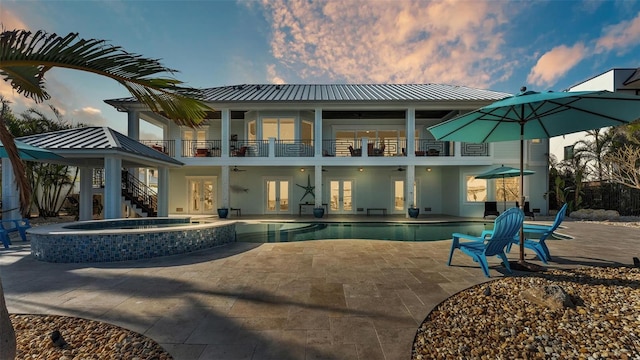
333,299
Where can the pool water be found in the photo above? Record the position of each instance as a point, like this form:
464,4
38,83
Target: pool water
271,232
128,224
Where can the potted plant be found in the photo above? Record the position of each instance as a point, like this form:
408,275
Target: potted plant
413,211
223,213
318,212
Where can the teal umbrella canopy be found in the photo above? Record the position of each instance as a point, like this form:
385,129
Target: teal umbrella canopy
501,173
30,152
540,116
534,115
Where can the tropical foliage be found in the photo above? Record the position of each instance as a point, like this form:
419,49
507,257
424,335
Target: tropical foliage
52,183
26,57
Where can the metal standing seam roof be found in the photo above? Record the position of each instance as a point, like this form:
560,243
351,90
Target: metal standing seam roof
633,78
341,93
95,138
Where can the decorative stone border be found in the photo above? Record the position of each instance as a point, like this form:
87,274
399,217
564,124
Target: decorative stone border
61,243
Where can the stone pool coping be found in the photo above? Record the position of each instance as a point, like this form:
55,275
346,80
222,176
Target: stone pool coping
57,243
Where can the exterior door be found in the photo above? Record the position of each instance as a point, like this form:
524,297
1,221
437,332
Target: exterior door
278,193
400,206
341,194
202,195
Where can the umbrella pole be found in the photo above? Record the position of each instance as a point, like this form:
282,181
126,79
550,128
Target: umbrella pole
521,190
522,264
504,193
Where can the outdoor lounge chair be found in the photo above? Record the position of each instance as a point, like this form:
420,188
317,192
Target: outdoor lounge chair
490,208
4,236
543,232
479,248
527,210
16,225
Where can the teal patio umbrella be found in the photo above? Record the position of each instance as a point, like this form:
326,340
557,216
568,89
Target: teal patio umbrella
30,152
501,173
534,115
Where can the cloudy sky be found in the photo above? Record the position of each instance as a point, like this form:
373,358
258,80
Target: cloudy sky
497,45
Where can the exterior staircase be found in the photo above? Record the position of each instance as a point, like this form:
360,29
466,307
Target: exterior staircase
141,198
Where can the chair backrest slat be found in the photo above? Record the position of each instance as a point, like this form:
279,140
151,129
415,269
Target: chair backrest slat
506,227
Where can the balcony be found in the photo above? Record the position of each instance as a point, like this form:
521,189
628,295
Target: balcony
201,148
167,147
305,148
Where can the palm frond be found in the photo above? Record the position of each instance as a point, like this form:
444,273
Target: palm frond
25,57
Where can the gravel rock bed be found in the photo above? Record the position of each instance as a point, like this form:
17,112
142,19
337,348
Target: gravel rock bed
86,339
605,323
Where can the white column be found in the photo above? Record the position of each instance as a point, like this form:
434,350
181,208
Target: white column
318,181
408,188
410,130
163,191
364,152
224,186
272,147
112,187
133,124
85,210
10,197
317,133
224,131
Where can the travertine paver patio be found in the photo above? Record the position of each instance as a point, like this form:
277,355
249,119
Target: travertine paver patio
332,299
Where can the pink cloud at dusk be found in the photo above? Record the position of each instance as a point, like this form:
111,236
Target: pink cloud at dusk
558,61
555,63
620,36
390,41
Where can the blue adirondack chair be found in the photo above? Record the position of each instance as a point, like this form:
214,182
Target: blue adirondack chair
4,237
16,225
538,245
491,243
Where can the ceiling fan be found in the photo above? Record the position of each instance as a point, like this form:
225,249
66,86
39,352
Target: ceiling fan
235,169
400,168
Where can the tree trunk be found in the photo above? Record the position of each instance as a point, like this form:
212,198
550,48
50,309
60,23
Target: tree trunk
24,188
7,334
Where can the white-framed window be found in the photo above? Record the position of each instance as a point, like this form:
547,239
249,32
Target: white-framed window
281,128
475,189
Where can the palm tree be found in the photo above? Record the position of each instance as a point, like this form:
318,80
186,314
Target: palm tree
25,58
594,150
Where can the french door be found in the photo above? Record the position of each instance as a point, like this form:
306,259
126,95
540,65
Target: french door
277,195
399,204
341,196
201,195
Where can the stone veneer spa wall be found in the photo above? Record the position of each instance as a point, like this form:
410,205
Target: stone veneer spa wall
125,240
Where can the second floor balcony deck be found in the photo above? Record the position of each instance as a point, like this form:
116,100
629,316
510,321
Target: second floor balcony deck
305,148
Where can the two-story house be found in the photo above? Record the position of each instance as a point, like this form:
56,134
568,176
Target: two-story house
353,149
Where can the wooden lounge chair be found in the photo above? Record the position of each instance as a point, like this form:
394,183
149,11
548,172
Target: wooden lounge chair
491,243
490,208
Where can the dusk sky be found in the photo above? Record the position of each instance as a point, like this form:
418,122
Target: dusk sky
497,45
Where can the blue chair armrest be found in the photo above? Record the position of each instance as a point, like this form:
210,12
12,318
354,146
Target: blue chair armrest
468,237
536,228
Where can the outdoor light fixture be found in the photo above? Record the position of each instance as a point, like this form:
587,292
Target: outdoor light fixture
361,169
301,169
428,169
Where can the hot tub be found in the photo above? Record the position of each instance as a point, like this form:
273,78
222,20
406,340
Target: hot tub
126,239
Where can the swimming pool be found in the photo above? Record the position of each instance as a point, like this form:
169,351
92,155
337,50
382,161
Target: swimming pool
270,232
